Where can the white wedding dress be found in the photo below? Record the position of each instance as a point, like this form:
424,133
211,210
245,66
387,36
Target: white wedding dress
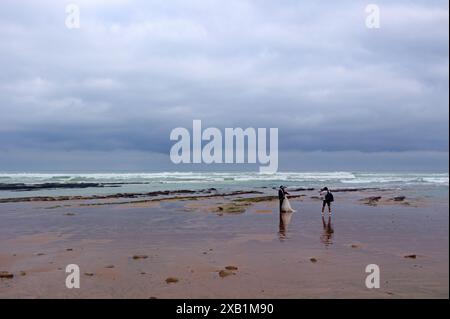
286,206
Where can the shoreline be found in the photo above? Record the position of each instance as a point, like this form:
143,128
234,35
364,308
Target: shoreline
208,192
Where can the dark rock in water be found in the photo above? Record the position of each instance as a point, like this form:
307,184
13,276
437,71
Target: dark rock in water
6,275
399,198
31,187
371,201
70,214
203,193
301,189
339,190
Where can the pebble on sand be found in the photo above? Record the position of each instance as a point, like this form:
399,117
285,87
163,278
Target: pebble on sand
89,274
23,273
225,273
231,268
412,256
171,280
313,260
140,257
6,274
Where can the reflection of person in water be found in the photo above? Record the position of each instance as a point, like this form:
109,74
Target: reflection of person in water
328,232
285,219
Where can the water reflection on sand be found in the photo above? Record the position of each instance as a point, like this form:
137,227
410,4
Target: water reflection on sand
327,234
285,219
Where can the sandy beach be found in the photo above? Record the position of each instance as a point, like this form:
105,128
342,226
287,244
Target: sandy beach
225,245
145,147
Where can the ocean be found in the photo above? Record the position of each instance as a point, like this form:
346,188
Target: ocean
427,184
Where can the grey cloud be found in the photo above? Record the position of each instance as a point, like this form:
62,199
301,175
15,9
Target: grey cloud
137,69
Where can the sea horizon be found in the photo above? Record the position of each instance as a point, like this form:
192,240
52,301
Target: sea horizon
101,183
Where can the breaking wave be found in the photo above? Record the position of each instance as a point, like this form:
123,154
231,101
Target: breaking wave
300,178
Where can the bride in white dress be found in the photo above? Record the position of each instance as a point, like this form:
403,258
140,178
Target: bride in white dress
286,206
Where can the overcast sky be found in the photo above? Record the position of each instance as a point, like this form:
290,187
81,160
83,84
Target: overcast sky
107,95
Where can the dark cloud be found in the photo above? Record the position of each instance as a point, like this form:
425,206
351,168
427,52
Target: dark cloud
137,69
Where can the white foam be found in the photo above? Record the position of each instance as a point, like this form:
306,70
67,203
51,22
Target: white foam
303,178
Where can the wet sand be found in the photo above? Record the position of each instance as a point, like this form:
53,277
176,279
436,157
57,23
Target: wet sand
235,246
